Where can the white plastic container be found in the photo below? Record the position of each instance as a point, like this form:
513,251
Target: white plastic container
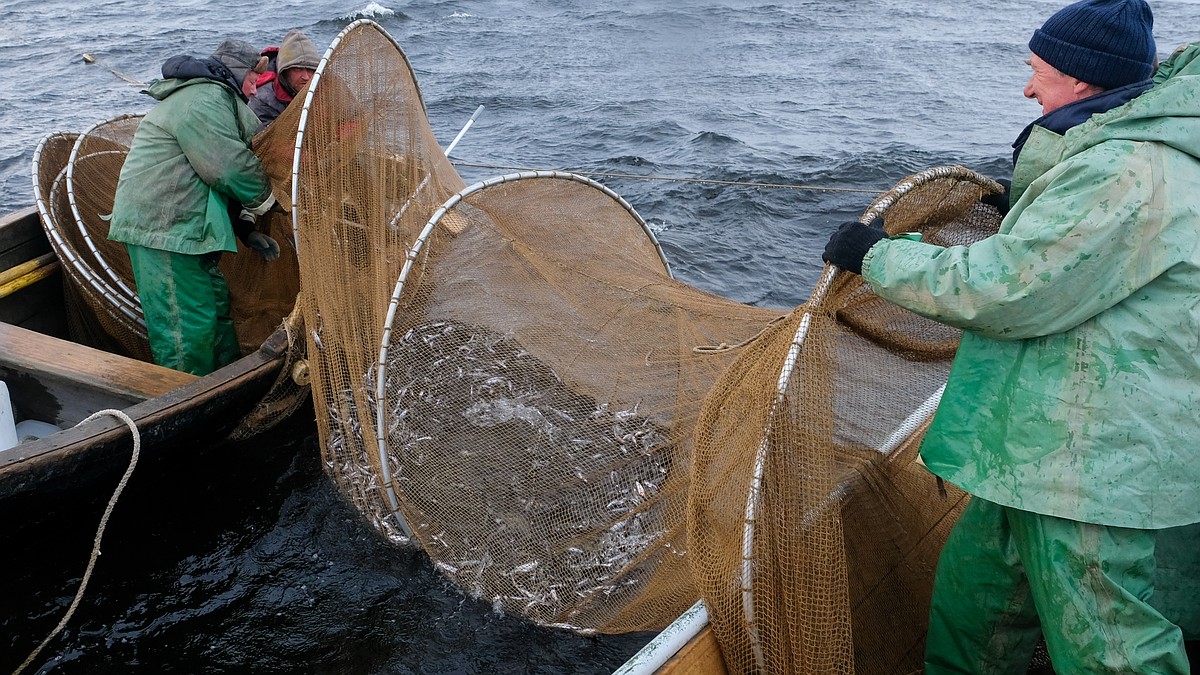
34,429
8,423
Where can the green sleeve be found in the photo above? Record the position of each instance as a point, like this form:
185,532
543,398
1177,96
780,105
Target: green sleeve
1084,237
211,138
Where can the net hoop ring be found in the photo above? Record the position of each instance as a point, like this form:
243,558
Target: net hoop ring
62,248
123,291
417,252
815,302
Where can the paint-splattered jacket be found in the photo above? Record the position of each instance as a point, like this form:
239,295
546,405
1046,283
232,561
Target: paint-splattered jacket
1076,388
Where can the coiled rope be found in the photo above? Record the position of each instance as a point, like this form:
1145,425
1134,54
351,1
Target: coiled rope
676,179
112,502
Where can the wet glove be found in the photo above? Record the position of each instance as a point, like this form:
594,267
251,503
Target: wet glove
850,243
999,199
265,245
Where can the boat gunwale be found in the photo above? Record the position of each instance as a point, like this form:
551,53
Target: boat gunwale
157,418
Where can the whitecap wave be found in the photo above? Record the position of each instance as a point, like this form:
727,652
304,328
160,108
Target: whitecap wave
371,10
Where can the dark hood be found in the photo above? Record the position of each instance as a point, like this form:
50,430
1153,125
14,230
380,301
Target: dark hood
185,67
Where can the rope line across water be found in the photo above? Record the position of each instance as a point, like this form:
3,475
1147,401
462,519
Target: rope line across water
676,179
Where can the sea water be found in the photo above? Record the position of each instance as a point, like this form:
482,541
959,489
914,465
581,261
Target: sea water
249,561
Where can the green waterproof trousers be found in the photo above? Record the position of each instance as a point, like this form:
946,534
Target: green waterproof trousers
1007,577
186,303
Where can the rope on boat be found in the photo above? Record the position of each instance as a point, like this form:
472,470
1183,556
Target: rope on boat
112,502
677,179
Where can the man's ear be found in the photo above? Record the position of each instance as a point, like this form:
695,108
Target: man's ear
1083,89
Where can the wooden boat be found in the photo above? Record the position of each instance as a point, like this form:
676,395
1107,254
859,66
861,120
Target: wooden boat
54,380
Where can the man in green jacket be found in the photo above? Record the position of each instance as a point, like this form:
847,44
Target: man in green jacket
1070,413
189,166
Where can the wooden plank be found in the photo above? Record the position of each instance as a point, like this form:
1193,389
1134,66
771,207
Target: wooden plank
21,237
32,352
38,307
41,476
700,656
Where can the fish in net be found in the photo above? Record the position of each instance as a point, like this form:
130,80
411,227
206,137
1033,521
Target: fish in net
548,476
573,435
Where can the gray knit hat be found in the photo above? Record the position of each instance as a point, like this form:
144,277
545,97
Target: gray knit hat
237,55
296,51
1108,43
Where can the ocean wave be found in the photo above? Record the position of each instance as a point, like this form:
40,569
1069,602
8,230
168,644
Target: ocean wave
372,10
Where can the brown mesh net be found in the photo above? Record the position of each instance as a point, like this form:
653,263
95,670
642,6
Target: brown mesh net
530,424
98,315
573,435
92,173
814,533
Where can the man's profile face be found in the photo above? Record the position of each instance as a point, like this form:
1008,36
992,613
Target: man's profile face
249,84
1051,88
298,77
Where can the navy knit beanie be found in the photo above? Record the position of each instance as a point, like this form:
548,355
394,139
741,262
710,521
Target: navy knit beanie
1108,43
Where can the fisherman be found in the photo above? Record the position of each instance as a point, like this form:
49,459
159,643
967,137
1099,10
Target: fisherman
190,159
291,67
1070,410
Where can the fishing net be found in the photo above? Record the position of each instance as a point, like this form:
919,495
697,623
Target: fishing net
573,435
505,373
97,315
92,173
814,532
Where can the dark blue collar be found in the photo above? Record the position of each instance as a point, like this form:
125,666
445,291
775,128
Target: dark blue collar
1072,114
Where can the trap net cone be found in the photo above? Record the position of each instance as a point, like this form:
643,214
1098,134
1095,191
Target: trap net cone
97,314
505,374
92,173
541,377
814,532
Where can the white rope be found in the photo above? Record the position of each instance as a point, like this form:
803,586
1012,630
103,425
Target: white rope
87,574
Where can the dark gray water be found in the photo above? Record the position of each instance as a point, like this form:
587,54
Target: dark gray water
248,561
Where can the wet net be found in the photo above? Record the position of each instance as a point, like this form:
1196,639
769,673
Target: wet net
508,375
97,313
814,531
505,373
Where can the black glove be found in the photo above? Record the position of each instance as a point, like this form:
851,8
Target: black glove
851,242
266,246
998,199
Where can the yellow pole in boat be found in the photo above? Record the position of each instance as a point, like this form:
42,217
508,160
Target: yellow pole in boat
24,268
28,279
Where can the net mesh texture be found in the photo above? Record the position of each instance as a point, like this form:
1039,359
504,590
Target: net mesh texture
814,530
573,435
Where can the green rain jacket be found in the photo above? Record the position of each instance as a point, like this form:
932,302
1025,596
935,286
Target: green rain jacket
1075,391
191,153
